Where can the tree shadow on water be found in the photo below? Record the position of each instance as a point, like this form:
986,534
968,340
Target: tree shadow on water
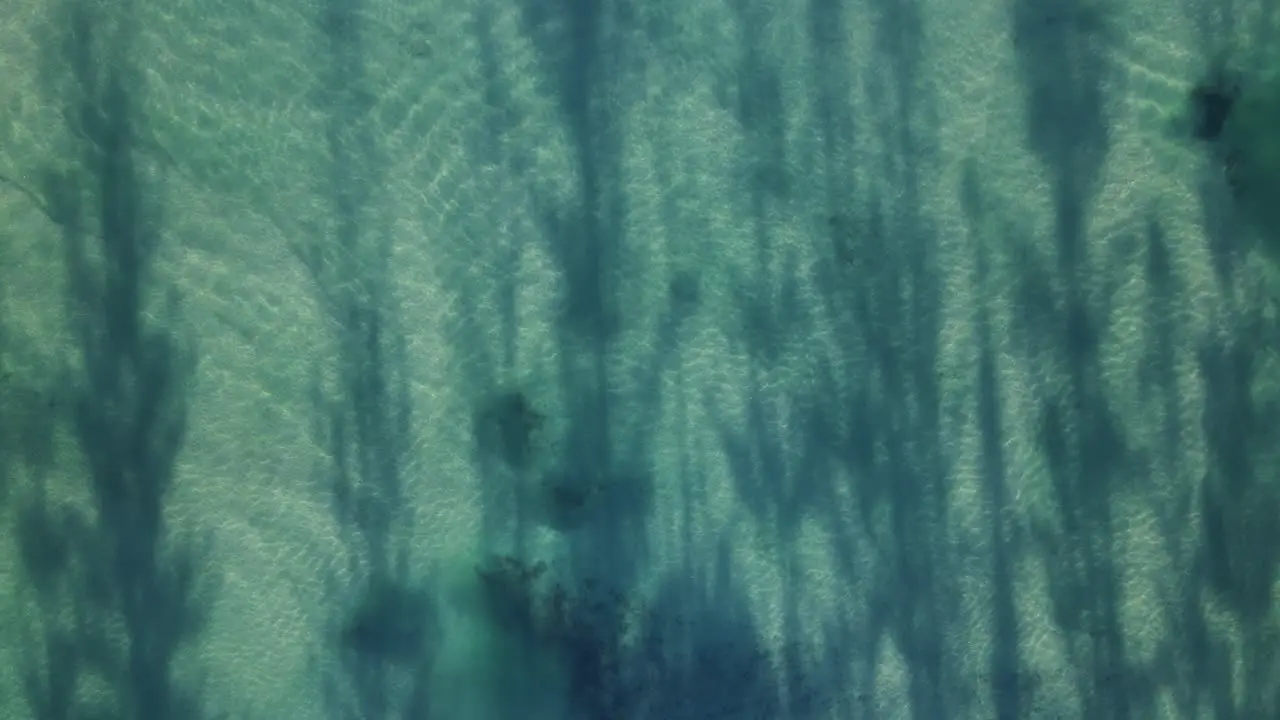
690,652
118,590
1238,501
382,632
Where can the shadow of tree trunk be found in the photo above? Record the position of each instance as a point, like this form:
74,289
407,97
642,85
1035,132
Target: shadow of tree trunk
117,596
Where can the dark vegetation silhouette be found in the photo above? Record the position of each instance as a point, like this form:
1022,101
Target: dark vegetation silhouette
882,421
1237,552
384,634
581,59
693,646
1213,99
1239,497
570,468
1011,689
119,592
842,427
1065,67
692,650
1233,105
1190,653
1091,462
879,416
29,408
8,444
883,299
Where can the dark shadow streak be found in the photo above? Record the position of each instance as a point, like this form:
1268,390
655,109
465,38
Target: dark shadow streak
119,567
384,633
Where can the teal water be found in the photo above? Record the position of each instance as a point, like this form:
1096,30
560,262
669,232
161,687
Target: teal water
601,360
